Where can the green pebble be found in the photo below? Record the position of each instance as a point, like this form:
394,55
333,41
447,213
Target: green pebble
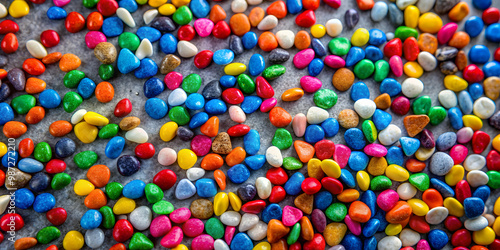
106,71
47,234
73,78
420,181
325,98
369,130
403,32
364,69
42,152
128,40
380,183
60,181
108,217
141,2
179,115
282,139
274,71
494,179
292,163
422,105
153,193
113,190
139,241
85,159
71,101
191,83
336,212
339,46
294,234
437,114
246,84
163,207
381,70
109,131
182,15
23,103
89,4
214,228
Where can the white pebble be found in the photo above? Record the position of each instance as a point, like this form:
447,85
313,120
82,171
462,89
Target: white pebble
447,98
254,2
477,178
3,11
268,23
406,191
484,108
333,27
144,50
236,114
137,135
94,238
389,135
36,49
474,162
436,215
464,135
4,202
389,36
264,187
149,15
379,11
167,156
409,237
220,245
177,97
402,4
78,116
365,108
412,87
389,243
286,38
186,49
476,224
194,174
239,6
316,115
427,60
141,217
274,157
230,218
259,232
423,154
126,17
248,221
425,5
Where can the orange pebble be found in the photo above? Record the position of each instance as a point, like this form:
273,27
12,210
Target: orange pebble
98,175
302,40
69,62
279,117
35,115
33,66
220,178
433,198
94,21
211,127
478,247
236,156
104,92
25,243
306,228
35,85
310,4
256,15
118,246
400,213
3,73
459,40
267,41
217,13
96,199
365,4
459,12
279,245
348,195
304,150
212,161
414,165
60,128
239,24
52,58
277,9
292,94
276,230
359,211
14,129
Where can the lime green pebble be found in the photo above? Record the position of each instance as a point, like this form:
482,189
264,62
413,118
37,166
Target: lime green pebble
292,163
364,69
274,71
153,193
85,159
294,234
381,70
108,217
139,241
141,2
325,98
494,179
422,105
246,84
214,228
380,183
163,207
336,212
420,180
89,4
179,115
109,131
113,190
282,139
60,180
369,130
42,152
128,40
403,32
437,114
71,101
106,71
73,78
339,46
182,15
23,103
191,83
47,234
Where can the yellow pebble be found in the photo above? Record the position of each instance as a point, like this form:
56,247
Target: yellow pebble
413,69
331,168
168,131
393,229
85,132
314,169
411,16
83,187
484,237
455,175
167,9
360,37
141,2
180,247
496,226
454,207
430,23
472,122
363,180
418,207
186,158
423,154
156,3
73,240
455,83
3,149
334,233
124,206
397,173
19,8
179,3
318,31
262,246
496,207
377,166
235,201
496,142
221,203
95,119
235,69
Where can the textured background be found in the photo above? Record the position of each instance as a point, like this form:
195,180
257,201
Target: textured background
129,87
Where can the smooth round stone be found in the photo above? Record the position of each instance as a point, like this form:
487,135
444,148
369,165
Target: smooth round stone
445,141
264,187
248,221
230,218
448,99
219,244
464,135
476,224
167,156
389,243
474,162
194,174
258,232
427,61
94,238
334,27
286,38
316,115
137,135
440,164
274,157
365,108
379,11
477,178
412,87
185,189
409,237
436,215
406,191
425,5
395,16
186,49
351,18
484,107
269,22
177,97
390,135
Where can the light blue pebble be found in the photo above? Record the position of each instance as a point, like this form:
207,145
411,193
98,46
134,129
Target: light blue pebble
91,219
86,88
314,133
251,142
156,108
112,26
358,160
129,5
377,37
390,86
465,102
256,65
127,61
238,173
10,159
24,198
492,33
330,126
44,202
322,200
149,33
294,6
241,241
249,40
206,188
354,55
6,113
168,43
293,185
134,189
491,69
30,165
480,54
476,90
482,192
272,211
474,26
198,119
227,81
147,68
200,8
379,11
223,56
370,199
355,138
215,107
185,189
347,178
359,90
455,117
409,145
318,47
315,67
373,53
370,243
251,104
56,13
114,147
395,156
255,162
50,99
195,101
381,119
443,188
371,227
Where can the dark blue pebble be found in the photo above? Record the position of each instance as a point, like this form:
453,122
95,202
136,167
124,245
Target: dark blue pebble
455,116
206,188
86,88
322,200
223,56
273,211
195,101
129,5
256,64
134,189
215,107
247,192
443,188
491,69
294,6
352,241
44,202
65,147
236,45
227,81
492,33
347,178
381,119
315,67
163,24
149,33
56,13
370,243
238,173
476,90
331,127
91,219
437,238
249,40
355,138
24,198
370,199
128,165
358,160
293,185
153,87
251,142
465,102
314,133
481,4
241,241
10,159
395,156
168,43
156,108
474,26
480,54
482,192
147,68
200,8
359,90
371,227
318,47
112,26
354,55
251,104
473,207
373,53
6,113
377,37
198,119
255,162
5,92
390,86
380,215
114,147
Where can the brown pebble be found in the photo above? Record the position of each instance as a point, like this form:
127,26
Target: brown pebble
377,166
448,68
16,179
427,42
304,202
222,144
414,124
343,79
105,52
461,60
348,118
25,243
52,58
129,123
202,209
383,101
492,87
169,63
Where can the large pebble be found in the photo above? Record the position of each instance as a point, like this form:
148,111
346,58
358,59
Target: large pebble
476,224
412,87
477,178
258,232
427,61
186,49
441,163
436,215
409,237
94,238
230,218
274,157
365,108
390,135
389,243
248,221
474,162
447,98
317,115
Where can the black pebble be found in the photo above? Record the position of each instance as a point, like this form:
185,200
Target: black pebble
247,192
351,18
128,165
163,24
212,90
185,134
236,45
278,56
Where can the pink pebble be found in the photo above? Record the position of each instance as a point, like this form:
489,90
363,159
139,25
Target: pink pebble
268,104
193,227
341,154
303,58
203,27
387,199
180,215
173,238
396,65
458,153
291,215
446,32
203,242
299,124
92,38
335,62
229,234
354,226
160,226
173,80
464,135
423,245
60,3
201,145
310,84
375,150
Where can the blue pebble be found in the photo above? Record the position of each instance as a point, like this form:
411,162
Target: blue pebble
238,173
390,86
198,119
185,189
381,119
86,88
10,159
370,243
200,8
465,102
455,117
156,108
249,40
256,64
112,26
380,215
476,90
370,199
241,241
409,145
227,81
129,5
347,178
314,133
481,4
251,104
236,45
318,47
273,211
373,53
127,61
50,99
437,238
30,165
206,188
5,92
330,126
322,200
149,33
168,43
371,227
91,219
39,182
491,69
24,198
44,202
294,6
255,162
315,67
473,207
153,87
195,101
352,241
474,26
251,142
56,13
65,147
293,185
482,192
147,68
355,138
355,55
6,112
134,189
215,107
395,156
114,147
492,33
358,160
377,37
359,90
223,56
443,188
480,54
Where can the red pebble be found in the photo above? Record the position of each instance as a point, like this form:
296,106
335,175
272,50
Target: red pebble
318,242
123,108
306,19
452,223
278,194
8,26
480,140
238,130
2,178
107,7
74,22
11,222
393,48
186,32
118,246
49,38
462,191
410,48
459,153
295,246
419,224
55,166
277,176
324,149
94,21
407,248
310,185
473,73
495,245
491,15
263,88
253,207
493,160
37,2
464,248
123,230
233,96
400,105
33,66
221,30
26,147
145,150
203,59
1,237
332,185
496,55
461,238
57,216
52,247
9,43
165,179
